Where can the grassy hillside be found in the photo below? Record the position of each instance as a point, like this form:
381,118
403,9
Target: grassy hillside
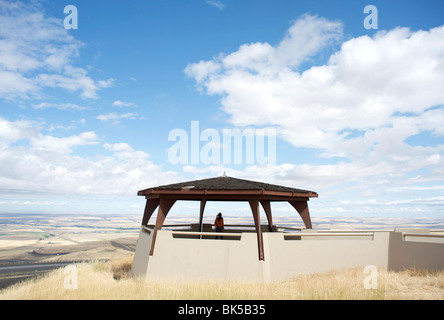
112,281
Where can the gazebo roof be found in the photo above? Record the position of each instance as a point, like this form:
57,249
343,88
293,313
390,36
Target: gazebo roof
224,186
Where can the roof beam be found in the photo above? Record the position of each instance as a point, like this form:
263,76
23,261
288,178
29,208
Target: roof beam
302,208
200,193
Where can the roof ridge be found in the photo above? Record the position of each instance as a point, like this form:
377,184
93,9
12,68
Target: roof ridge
227,183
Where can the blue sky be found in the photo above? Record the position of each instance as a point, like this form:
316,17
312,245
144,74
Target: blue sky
85,113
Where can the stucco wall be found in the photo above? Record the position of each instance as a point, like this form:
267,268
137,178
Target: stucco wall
142,254
289,257
238,258
415,253
205,258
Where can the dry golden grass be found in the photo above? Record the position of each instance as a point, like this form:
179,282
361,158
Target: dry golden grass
121,268
112,281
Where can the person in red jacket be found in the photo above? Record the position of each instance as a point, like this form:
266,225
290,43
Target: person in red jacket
219,224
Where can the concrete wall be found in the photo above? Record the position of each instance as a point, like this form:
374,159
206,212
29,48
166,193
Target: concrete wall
289,257
205,258
142,254
208,258
415,253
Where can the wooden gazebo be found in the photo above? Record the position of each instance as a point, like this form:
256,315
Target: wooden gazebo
225,189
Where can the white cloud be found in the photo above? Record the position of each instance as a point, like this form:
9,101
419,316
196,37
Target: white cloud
11,132
362,104
60,106
14,84
115,117
216,3
64,144
121,104
71,126
37,52
371,95
32,162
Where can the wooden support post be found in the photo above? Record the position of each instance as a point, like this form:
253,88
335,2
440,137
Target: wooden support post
254,204
164,207
202,208
150,207
267,208
302,208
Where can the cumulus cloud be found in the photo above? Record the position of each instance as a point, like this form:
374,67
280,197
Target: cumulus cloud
11,132
63,144
362,104
33,162
356,103
36,52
